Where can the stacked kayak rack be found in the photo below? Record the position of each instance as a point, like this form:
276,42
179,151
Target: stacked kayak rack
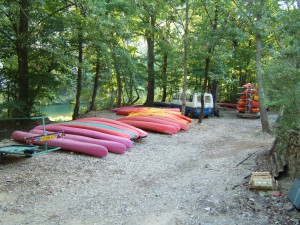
248,105
29,149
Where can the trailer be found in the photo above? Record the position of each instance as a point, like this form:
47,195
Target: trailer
29,149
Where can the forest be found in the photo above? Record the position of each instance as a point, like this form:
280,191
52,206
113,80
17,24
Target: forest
98,54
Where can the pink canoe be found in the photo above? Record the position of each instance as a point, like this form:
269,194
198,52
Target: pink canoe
111,146
87,133
66,144
117,124
134,131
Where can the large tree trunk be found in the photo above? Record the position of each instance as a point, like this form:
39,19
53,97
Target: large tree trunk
23,53
118,76
79,75
207,63
215,99
262,108
164,75
293,154
185,59
150,64
96,82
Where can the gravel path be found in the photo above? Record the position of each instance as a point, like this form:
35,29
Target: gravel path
187,178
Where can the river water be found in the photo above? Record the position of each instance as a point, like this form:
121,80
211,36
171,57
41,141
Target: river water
61,112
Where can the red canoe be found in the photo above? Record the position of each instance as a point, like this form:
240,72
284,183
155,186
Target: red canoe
151,119
151,126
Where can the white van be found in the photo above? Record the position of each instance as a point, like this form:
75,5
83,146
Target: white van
193,103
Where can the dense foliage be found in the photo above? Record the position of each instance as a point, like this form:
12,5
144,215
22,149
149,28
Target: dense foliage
283,73
114,52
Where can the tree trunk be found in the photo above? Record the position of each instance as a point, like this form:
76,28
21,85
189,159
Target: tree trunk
150,64
79,75
23,53
164,75
185,59
96,82
118,76
207,63
293,154
262,108
215,99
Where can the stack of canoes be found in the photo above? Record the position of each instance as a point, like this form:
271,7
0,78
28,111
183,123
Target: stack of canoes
248,101
160,120
126,110
94,136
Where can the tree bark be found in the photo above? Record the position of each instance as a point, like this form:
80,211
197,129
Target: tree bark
261,94
164,75
23,54
79,75
150,63
215,99
96,82
185,59
118,76
207,63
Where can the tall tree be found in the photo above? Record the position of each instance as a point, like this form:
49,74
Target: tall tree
80,41
148,14
257,12
185,58
282,78
25,27
260,10
96,81
151,20
23,52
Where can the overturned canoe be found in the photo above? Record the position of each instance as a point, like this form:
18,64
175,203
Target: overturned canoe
99,127
87,133
151,119
118,124
111,146
65,144
151,126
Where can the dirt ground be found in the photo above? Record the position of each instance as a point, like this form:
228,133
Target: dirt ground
199,176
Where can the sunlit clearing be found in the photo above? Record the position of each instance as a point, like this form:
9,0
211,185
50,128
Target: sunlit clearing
60,118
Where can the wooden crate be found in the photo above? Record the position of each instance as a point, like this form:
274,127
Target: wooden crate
262,181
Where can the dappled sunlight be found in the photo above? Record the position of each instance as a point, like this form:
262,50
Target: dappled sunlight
60,118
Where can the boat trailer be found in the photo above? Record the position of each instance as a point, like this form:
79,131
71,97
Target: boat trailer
29,149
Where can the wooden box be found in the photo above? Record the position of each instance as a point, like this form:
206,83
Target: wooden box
262,181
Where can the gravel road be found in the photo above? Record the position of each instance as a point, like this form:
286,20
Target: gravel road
188,178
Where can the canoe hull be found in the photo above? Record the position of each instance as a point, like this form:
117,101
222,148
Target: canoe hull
66,144
111,146
87,133
151,126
